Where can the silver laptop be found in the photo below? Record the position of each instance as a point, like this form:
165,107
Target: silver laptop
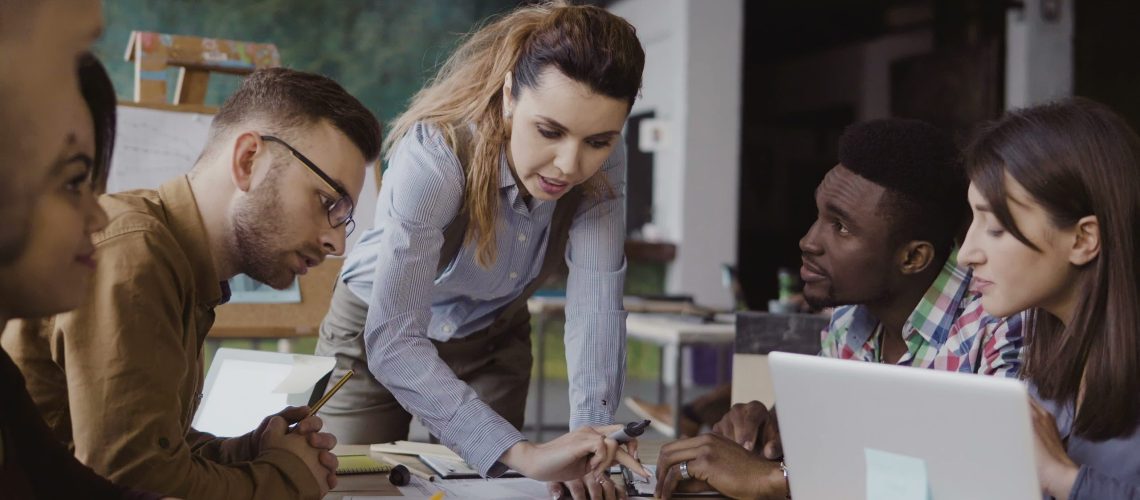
244,386
855,430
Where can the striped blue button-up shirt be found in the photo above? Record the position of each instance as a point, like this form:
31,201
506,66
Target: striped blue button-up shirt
393,269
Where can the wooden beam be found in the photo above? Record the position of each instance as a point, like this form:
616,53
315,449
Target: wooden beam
192,84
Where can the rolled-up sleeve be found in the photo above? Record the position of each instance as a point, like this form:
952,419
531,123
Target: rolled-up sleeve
595,318
422,193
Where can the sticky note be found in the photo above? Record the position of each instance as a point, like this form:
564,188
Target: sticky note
891,476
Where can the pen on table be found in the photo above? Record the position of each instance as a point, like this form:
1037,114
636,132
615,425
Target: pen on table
326,397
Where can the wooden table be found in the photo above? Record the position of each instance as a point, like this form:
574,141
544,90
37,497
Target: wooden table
378,484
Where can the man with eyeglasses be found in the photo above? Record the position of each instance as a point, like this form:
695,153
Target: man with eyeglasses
119,379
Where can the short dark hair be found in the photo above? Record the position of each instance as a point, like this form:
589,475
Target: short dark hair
290,98
922,171
99,95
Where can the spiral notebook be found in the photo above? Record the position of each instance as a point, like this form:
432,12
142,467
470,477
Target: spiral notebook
360,464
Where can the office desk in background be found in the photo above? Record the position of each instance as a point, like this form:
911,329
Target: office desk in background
675,332
660,322
760,333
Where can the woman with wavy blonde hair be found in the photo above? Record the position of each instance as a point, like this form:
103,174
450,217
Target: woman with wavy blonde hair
508,165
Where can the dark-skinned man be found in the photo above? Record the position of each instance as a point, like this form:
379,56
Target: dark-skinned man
883,249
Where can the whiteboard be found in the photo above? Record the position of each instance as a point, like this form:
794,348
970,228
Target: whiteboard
153,146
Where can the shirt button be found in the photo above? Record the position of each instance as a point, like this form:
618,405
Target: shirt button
522,237
446,329
514,275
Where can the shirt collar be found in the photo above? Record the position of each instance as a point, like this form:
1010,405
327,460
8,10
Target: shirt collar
185,223
506,179
510,188
935,313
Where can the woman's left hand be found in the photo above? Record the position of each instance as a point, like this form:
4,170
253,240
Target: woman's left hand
586,452
1055,470
593,486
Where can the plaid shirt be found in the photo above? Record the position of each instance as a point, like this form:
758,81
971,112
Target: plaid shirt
947,331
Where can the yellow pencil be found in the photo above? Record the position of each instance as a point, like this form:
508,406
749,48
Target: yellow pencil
329,394
323,399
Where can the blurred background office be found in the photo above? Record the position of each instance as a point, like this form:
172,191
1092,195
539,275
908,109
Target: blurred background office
742,104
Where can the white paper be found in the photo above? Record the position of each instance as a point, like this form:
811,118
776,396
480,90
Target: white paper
501,489
415,448
417,488
245,391
153,146
643,487
242,397
306,371
506,489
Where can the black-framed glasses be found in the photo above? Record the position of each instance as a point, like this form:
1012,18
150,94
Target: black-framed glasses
340,210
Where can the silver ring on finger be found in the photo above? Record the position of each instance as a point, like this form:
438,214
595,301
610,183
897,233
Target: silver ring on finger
685,471
601,479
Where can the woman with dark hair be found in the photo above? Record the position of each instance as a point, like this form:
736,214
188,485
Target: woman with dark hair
507,166
1055,192
51,276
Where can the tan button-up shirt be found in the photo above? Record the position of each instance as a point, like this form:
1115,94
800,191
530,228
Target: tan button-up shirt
120,377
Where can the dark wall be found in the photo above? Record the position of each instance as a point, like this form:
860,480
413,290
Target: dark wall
786,152
1106,40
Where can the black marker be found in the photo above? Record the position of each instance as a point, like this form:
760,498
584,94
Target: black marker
631,431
